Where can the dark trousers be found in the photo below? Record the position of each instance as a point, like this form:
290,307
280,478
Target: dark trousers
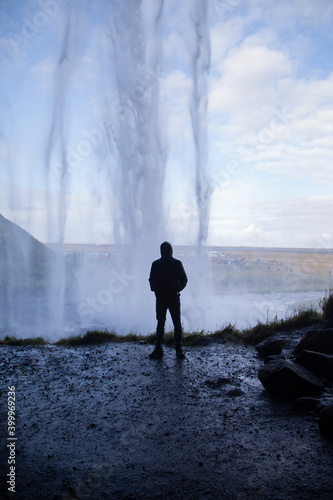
163,303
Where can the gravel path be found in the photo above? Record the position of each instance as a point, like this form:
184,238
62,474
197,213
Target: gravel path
106,422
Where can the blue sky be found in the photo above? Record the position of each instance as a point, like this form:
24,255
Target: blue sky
269,120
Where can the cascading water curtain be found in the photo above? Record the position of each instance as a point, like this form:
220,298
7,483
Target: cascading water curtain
200,64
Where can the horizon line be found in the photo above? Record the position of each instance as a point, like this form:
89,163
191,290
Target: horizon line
196,247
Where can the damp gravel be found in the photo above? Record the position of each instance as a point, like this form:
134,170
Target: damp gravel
106,422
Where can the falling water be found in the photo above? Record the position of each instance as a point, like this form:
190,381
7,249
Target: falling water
138,148
118,166
200,54
198,45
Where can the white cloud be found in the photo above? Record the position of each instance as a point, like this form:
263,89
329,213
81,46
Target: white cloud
256,213
270,114
224,37
247,85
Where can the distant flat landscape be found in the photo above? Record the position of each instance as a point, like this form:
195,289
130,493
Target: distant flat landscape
104,247
246,269
273,269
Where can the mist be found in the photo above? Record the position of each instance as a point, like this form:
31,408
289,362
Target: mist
115,156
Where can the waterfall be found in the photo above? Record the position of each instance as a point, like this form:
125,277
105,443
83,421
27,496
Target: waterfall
200,56
103,155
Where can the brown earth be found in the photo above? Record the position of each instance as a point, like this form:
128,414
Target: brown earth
106,422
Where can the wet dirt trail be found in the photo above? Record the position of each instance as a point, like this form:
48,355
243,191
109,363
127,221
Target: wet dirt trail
106,422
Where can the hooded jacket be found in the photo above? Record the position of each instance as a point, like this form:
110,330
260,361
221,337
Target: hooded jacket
167,275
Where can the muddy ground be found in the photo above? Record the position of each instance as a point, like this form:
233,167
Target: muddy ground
106,422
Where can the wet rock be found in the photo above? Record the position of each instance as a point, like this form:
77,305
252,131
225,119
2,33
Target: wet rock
326,421
316,340
273,357
306,403
318,363
269,348
235,393
215,384
288,379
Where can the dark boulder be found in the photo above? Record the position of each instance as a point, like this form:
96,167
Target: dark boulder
326,421
273,357
318,363
284,378
306,403
316,340
269,348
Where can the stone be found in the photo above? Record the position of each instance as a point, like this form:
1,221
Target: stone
235,392
318,363
273,357
269,348
215,384
316,340
326,421
284,378
306,403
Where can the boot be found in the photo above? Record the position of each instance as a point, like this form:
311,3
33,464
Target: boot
157,353
179,353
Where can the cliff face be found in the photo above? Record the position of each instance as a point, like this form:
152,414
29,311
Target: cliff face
25,266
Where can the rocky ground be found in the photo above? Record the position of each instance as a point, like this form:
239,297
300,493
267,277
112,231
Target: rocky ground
106,422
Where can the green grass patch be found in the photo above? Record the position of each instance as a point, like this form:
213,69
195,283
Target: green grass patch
89,338
326,305
23,342
300,319
192,338
189,338
100,337
228,334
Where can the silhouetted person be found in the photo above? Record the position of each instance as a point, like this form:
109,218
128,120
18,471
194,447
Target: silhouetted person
167,279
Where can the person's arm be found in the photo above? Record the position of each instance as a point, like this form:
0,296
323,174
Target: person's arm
181,278
152,278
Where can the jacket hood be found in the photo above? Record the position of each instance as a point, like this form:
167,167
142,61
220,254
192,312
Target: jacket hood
166,250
